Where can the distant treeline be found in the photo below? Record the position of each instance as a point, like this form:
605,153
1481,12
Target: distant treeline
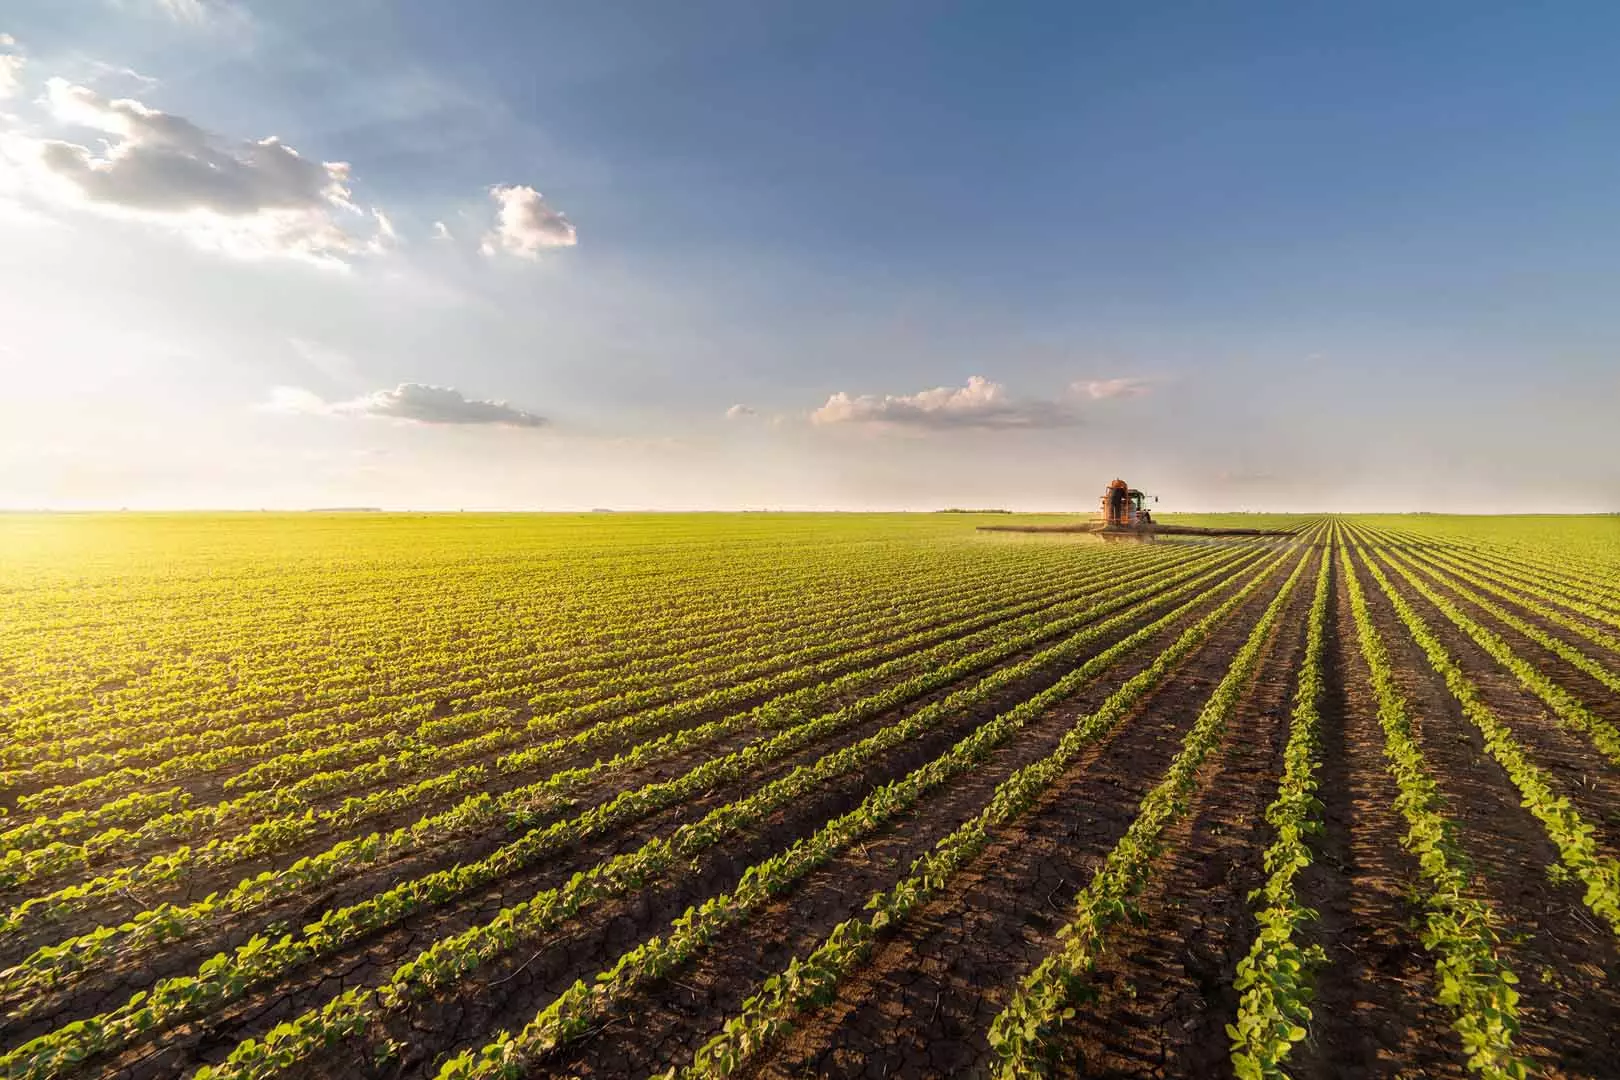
959,510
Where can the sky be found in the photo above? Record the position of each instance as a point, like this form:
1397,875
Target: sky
755,254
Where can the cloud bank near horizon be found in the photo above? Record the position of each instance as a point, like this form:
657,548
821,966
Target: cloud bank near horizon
980,403
412,402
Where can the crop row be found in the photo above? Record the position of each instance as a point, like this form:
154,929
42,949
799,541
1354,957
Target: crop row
1461,929
307,748
22,864
1544,601
228,975
1275,977
1574,837
440,966
812,981
584,1003
1596,587
519,808
717,597
1025,1033
1563,704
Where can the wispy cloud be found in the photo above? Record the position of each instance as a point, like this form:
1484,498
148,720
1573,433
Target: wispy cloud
201,14
740,412
1100,389
101,71
334,364
978,404
386,238
525,224
416,403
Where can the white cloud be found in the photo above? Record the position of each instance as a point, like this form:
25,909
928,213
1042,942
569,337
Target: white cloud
11,66
250,198
739,412
980,403
525,224
103,71
441,231
386,238
1098,389
191,11
202,14
414,402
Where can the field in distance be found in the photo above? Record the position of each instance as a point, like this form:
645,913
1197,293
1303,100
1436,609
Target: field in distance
767,795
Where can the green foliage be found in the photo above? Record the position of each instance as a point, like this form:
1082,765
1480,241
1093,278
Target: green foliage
1460,929
1025,1034
1575,839
809,982
1275,977
247,699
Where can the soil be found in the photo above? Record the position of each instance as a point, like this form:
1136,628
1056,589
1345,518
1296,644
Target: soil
922,1005
1567,963
370,960
1374,1012
922,1002
668,1027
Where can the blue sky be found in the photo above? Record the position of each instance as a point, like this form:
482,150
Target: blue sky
831,255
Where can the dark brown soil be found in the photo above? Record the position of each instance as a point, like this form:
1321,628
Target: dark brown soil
370,960
920,1006
1164,987
1375,1015
668,1027
108,986
1575,766
1534,610
1605,599
206,788
923,1004
1583,686
1567,963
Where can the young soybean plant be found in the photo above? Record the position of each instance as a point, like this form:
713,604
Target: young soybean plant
1275,977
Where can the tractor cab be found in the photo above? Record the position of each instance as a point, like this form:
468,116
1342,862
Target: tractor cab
1124,507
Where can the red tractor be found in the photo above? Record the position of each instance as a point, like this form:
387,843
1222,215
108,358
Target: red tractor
1125,516
1123,507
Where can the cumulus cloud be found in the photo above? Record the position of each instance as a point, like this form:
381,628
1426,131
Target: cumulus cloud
250,198
525,224
441,231
979,404
1098,389
11,66
739,412
414,402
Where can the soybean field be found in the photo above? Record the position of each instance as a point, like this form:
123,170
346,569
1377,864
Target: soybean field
774,795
